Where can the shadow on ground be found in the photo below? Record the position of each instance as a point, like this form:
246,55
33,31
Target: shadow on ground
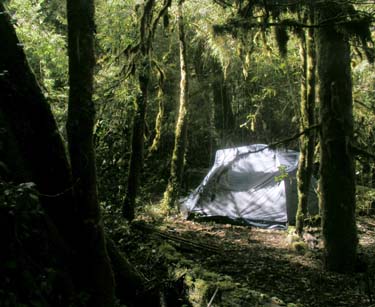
261,260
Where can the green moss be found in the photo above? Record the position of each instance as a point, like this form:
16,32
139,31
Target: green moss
203,285
169,253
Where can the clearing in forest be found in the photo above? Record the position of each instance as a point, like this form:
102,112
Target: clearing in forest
223,265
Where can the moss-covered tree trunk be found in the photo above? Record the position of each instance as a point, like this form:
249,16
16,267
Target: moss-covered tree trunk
136,157
158,122
144,70
337,177
38,155
307,141
177,162
97,276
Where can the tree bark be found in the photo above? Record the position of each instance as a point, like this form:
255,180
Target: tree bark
177,163
202,69
223,105
144,70
97,276
337,176
158,123
35,152
307,141
137,154
25,112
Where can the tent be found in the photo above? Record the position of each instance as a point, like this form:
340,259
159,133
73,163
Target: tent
253,184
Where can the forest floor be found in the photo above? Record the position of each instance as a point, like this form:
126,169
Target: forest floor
271,262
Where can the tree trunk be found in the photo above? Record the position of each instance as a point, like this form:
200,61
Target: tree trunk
38,155
227,106
337,177
136,158
177,163
158,123
97,276
307,141
202,68
223,105
41,155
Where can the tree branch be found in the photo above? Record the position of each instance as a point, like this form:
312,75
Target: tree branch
289,139
362,152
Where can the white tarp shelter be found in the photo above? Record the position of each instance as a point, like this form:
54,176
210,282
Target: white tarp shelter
245,185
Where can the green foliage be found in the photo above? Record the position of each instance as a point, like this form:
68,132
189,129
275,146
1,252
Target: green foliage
364,117
21,201
365,200
268,98
44,41
264,94
283,174
263,89
28,268
116,26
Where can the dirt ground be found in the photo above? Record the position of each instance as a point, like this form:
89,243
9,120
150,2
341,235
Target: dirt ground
273,261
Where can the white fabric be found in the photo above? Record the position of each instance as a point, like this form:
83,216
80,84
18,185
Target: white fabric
242,184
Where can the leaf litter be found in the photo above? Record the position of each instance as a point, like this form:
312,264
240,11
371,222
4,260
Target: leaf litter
262,260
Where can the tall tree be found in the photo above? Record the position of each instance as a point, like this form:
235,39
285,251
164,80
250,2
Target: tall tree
30,122
98,278
307,112
35,152
178,156
337,176
336,22
144,71
159,121
141,56
137,149
204,65
223,104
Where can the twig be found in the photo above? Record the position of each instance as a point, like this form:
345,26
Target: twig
295,136
285,141
213,297
60,193
177,239
362,152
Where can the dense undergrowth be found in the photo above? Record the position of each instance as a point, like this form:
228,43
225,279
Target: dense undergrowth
32,265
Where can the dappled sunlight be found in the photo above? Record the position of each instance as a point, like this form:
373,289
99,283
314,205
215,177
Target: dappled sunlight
265,260
366,229
143,142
